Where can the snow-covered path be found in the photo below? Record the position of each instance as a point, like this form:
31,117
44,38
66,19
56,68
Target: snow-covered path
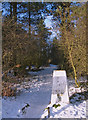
38,97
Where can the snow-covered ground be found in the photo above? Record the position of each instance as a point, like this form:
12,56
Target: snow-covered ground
36,96
75,109
67,111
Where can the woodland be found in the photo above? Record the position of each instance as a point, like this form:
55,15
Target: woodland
27,41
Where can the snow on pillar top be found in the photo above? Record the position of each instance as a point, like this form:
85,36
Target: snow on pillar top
57,73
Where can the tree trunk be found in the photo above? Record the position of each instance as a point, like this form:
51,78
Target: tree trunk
75,74
71,60
15,11
29,17
11,10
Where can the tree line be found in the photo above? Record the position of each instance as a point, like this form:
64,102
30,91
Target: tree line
25,36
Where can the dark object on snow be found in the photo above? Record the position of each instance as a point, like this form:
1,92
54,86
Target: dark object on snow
56,105
48,112
27,105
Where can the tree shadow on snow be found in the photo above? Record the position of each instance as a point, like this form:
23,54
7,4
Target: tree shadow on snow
79,97
75,99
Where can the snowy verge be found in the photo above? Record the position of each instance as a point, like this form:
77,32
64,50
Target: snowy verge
75,109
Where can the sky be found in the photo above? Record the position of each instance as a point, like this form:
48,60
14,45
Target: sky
49,24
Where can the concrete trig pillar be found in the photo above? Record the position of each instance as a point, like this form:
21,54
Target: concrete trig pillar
60,87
